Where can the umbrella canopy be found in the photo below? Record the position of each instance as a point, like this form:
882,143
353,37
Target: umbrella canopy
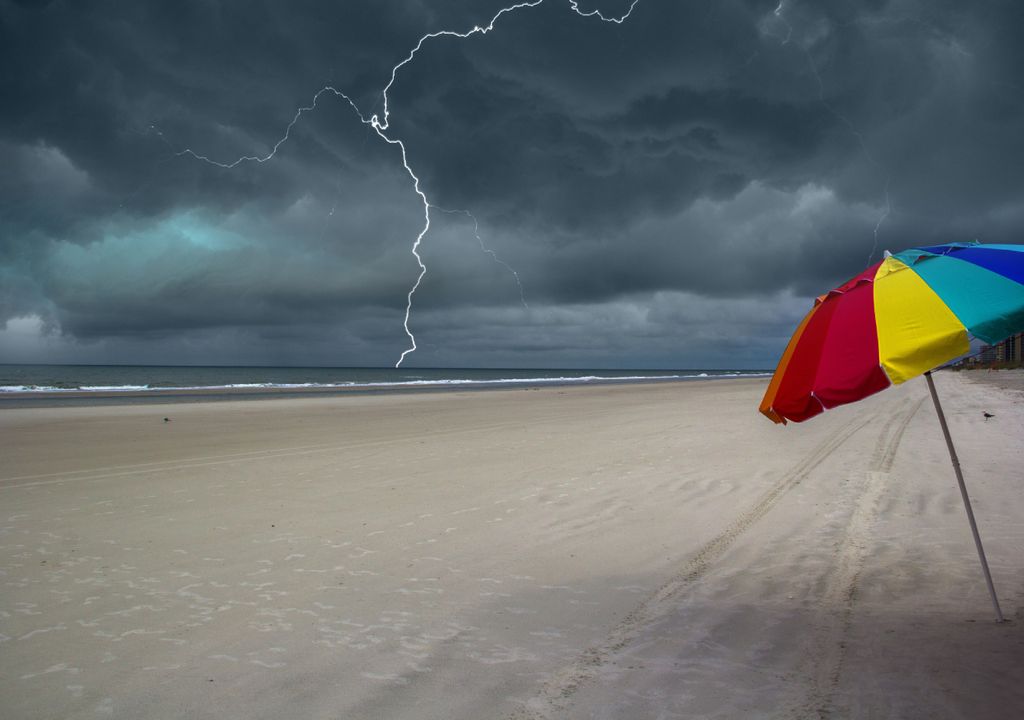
900,318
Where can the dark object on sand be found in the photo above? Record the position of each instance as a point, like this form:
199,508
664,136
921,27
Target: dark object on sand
987,415
167,419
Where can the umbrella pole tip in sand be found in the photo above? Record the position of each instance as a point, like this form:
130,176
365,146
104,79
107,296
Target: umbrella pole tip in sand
963,493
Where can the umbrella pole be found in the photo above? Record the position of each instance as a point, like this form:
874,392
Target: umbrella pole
963,493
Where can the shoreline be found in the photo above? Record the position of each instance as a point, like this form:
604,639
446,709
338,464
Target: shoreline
173,396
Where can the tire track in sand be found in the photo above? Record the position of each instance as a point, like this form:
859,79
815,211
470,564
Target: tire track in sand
557,693
826,655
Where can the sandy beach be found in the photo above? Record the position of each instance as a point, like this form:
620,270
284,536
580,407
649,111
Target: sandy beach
628,551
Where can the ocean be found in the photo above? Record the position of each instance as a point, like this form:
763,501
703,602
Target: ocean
113,379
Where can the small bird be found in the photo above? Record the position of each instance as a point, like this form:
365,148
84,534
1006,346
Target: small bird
987,415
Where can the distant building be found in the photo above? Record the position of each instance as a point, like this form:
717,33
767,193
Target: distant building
1012,349
1007,352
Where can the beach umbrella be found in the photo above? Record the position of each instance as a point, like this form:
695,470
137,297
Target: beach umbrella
902,317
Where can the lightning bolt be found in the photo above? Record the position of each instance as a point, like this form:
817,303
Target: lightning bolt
287,132
863,147
485,249
789,28
857,135
381,124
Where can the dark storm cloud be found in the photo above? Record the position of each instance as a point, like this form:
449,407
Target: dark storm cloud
647,181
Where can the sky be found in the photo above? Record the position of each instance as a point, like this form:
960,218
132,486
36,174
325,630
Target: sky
668,191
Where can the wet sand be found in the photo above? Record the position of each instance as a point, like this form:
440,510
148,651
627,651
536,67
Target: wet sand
587,552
